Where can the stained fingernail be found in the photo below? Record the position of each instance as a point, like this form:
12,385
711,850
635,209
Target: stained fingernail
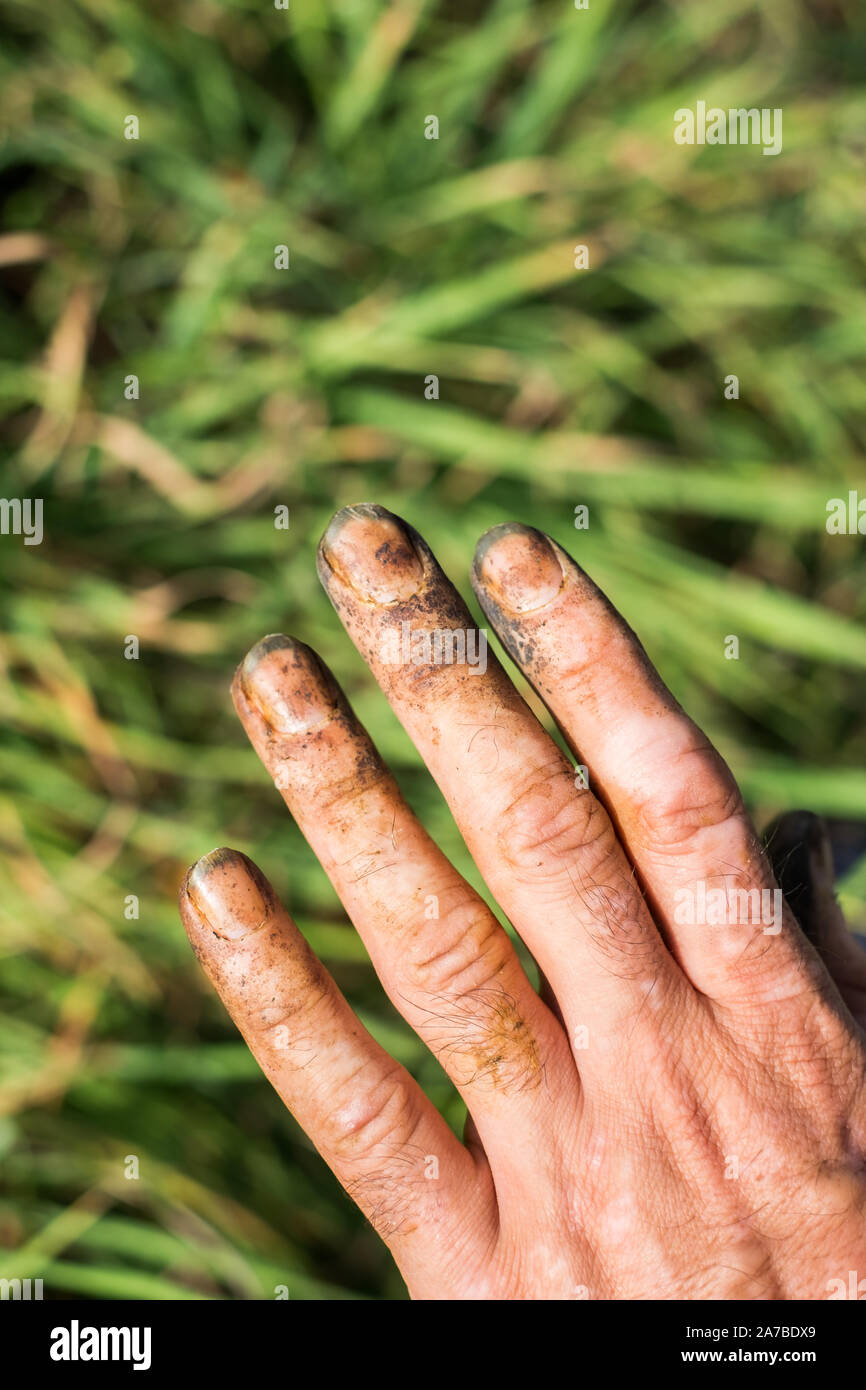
518,566
230,895
285,681
369,549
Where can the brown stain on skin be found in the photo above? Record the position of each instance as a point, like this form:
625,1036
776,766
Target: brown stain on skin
486,1039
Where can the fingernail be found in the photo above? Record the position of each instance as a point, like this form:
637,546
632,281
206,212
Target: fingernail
288,685
229,893
369,549
519,567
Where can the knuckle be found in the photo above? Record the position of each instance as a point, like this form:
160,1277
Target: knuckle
550,819
588,668
564,838
619,926
696,797
377,1120
285,1000
468,949
289,1028
365,778
466,1012
381,1161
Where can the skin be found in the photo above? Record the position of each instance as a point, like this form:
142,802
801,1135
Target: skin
681,1112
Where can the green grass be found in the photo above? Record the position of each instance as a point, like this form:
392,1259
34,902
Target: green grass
305,388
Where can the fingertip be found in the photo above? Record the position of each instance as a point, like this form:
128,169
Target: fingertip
518,567
285,683
371,552
226,894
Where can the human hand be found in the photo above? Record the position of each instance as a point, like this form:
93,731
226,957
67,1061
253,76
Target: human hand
681,1113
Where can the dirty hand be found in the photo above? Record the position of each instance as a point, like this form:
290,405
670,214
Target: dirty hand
681,1113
